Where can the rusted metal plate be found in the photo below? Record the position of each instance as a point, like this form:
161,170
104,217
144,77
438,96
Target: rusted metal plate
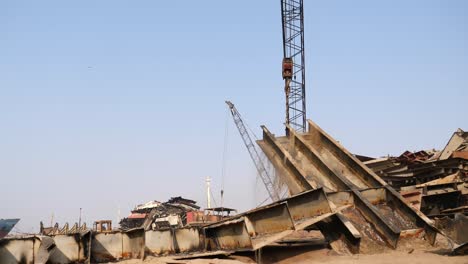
28,249
411,214
339,160
269,225
187,239
304,159
265,225
310,204
389,233
69,249
230,235
460,154
417,232
46,246
343,237
341,198
106,246
273,219
159,242
456,228
292,176
18,250
412,197
375,195
133,243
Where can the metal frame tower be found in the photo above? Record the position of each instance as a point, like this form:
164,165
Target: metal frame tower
261,169
292,14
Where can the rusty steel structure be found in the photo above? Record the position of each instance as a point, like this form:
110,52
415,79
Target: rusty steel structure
259,165
313,160
292,18
248,231
262,226
330,191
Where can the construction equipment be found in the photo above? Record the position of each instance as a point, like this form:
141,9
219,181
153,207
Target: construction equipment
292,14
261,169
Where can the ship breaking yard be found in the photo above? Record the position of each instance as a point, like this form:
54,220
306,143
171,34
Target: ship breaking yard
325,203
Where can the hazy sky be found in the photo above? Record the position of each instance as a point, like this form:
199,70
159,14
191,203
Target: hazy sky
107,104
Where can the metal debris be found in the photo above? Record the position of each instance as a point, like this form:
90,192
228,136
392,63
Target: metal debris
314,159
262,226
156,215
435,182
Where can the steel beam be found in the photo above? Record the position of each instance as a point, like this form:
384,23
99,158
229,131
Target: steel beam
294,177
319,159
324,174
262,226
343,158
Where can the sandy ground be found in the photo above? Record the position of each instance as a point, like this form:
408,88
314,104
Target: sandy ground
321,256
409,251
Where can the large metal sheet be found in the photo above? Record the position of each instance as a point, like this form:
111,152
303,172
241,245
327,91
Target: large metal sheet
133,243
159,242
106,246
229,235
308,205
13,251
69,249
341,198
270,220
265,225
187,239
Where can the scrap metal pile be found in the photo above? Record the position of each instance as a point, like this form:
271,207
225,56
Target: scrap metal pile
330,191
435,182
380,215
157,215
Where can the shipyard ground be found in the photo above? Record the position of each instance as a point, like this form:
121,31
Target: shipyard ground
323,256
416,253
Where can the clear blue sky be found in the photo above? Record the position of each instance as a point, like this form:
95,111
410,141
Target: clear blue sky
107,104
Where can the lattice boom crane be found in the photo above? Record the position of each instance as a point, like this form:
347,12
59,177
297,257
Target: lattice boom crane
293,66
261,170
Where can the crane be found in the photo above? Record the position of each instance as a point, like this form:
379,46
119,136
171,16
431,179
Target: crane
293,66
261,170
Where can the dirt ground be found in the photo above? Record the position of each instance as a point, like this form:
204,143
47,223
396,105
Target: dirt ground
321,256
324,256
415,251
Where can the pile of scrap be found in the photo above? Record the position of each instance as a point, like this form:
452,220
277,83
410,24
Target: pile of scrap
382,218
435,182
331,191
457,229
442,197
413,168
265,225
157,215
402,171
138,215
248,231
